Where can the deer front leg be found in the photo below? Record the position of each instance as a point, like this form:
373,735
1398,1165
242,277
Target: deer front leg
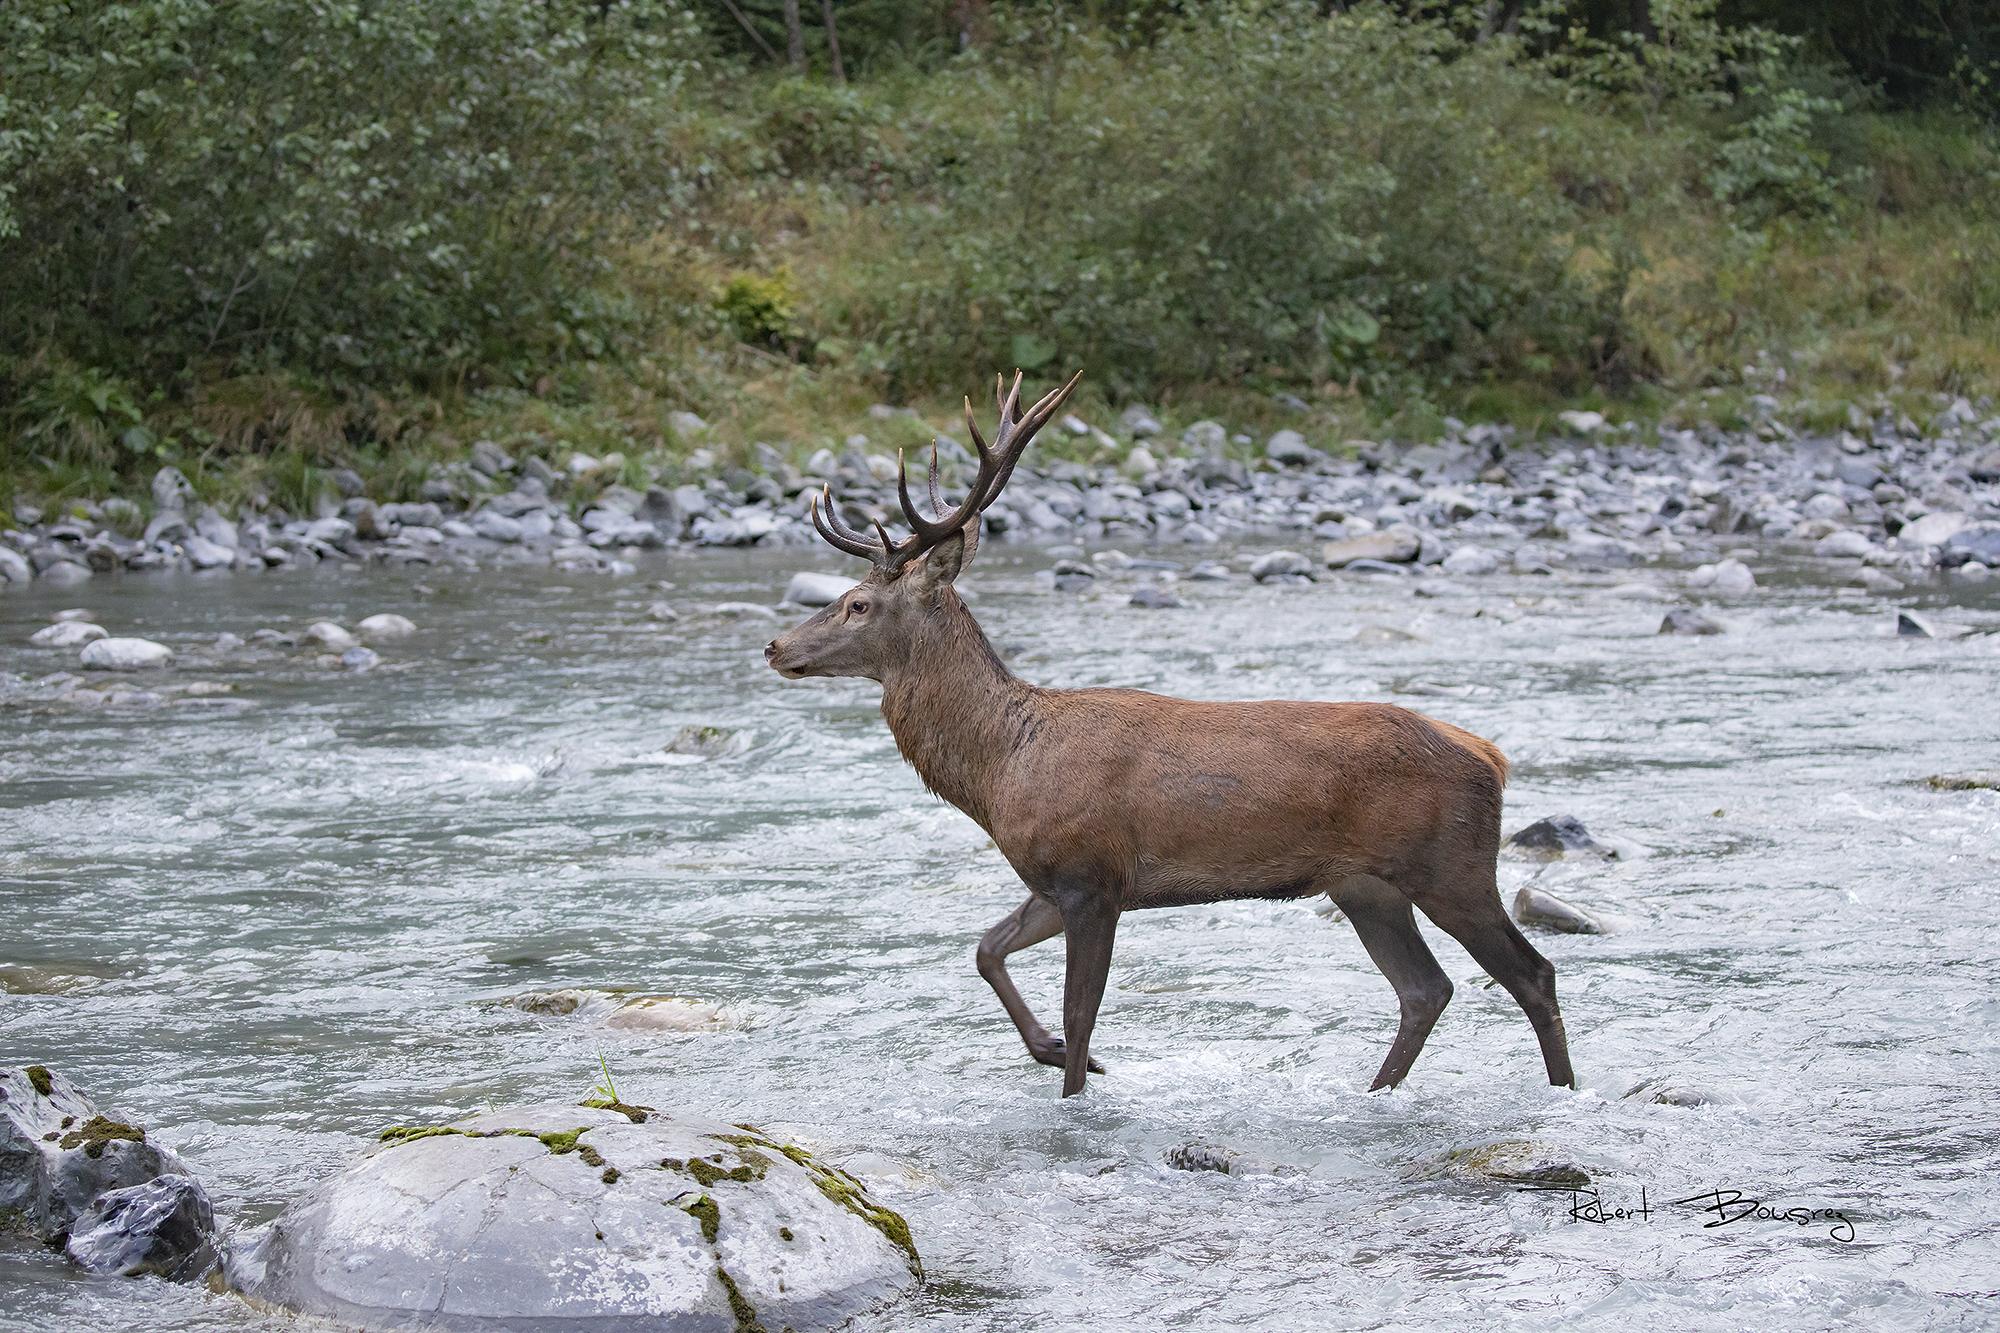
1090,920
1027,925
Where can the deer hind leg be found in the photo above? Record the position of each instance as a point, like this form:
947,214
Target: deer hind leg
1388,931
1482,925
1090,923
1027,925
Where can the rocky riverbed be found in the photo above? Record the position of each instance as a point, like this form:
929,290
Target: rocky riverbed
1895,502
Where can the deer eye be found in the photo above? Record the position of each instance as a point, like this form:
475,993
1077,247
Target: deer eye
857,608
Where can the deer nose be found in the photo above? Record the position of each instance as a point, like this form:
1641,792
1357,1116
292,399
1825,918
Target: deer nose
770,650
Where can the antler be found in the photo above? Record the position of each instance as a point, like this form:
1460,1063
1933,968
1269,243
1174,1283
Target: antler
996,465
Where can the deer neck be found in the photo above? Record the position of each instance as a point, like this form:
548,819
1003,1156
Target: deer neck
957,712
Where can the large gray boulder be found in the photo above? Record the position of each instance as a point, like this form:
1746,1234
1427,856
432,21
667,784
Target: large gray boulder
602,1216
59,1154
1979,541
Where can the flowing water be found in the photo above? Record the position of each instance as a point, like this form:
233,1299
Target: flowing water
272,921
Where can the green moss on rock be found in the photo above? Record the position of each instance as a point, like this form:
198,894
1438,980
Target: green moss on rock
739,1304
44,1082
705,1211
93,1134
838,1186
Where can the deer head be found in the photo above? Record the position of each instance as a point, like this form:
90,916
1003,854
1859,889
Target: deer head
871,629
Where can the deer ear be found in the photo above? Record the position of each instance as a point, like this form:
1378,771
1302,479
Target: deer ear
945,561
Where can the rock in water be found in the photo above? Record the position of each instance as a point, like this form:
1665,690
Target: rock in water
549,1215
1536,907
1396,546
1281,565
809,589
58,1154
385,625
329,636
1964,781
125,654
1684,620
164,1228
1558,835
68,634
1152,597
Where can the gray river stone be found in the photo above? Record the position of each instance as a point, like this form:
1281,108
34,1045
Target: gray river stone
68,634
1539,907
1398,546
1980,542
1687,620
551,1216
1558,835
59,1153
810,589
125,655
162,1228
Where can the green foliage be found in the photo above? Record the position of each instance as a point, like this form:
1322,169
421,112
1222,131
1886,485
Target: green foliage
359,189
761,310
337,232
1255,191
85,414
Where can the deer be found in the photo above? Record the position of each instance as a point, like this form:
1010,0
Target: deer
1105,801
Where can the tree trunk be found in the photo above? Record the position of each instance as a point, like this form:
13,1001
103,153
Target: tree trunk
832,41
750,28
969,17
1640,20
795,37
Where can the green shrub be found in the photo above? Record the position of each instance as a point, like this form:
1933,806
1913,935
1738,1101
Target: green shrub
391,188
1257,191
761,310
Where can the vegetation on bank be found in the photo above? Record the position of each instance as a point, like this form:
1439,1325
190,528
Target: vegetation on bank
266,239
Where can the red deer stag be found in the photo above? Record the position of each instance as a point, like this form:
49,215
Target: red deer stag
1107,799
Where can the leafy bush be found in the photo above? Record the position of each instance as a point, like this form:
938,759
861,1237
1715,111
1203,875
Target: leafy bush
390,188
1258,191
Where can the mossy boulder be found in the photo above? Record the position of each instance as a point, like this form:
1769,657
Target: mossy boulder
582,1216
59,1153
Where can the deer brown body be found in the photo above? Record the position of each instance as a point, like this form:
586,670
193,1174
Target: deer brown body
1106,800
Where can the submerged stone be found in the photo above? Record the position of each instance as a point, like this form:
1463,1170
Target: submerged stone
1538,907
1964,781
1516,1162
705,742
1558,835
583,1217
1686,620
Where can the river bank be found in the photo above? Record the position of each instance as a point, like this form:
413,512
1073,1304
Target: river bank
1900,503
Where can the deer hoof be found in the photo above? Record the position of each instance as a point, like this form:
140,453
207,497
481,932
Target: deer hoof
1053,1052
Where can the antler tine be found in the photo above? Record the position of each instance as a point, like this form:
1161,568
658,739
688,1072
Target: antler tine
1017,440
838,534
978,440
937,495
929,532
1010,404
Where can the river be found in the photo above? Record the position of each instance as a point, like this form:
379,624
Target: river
272,921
